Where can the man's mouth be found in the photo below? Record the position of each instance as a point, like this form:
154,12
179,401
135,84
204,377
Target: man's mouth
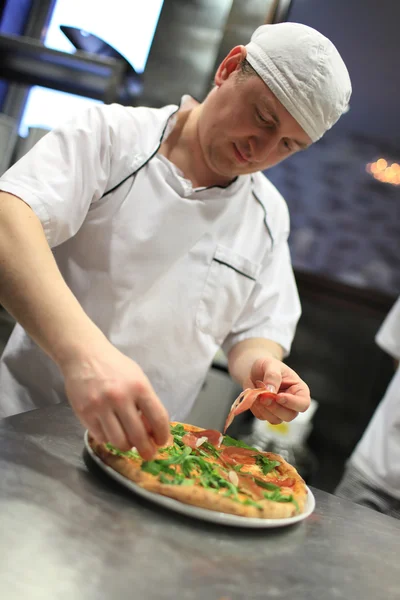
239,156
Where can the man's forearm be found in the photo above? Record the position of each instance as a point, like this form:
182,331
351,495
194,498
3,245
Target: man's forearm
242,356
32,288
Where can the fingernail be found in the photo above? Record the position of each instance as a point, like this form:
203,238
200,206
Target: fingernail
147,455
271,388
281,400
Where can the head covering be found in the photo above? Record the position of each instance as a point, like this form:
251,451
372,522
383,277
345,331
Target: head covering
304,70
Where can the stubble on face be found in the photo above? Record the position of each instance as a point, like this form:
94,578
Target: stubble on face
218,129
229,120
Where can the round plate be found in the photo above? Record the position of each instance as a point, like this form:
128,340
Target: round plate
201,513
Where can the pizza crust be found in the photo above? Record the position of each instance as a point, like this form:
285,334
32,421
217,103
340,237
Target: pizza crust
209,499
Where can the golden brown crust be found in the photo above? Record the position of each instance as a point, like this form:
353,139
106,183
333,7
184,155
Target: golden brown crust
213,500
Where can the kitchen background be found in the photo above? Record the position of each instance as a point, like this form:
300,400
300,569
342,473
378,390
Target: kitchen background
343,193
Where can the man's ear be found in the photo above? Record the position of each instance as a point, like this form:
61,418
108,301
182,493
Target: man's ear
230,64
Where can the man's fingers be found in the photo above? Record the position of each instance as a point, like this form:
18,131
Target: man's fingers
264,414
156,418
280,412
97,431
114,431
267,373
135,430
292,402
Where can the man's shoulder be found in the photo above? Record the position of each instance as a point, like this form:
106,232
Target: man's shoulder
136,131
266,189
141,117
269,197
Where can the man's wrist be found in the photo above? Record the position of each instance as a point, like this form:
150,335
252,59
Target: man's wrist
77,348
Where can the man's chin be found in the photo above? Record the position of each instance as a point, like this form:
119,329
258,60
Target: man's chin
226,171
233,169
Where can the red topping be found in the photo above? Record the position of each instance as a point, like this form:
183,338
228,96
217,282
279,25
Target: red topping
234,455
247,483
213,436
288,482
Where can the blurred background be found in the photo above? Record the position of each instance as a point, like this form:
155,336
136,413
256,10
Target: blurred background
343,193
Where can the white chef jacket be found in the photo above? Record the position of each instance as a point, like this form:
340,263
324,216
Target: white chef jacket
169,273
377,454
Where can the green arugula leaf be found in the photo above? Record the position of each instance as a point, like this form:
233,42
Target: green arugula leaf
266,465
250,502
151,466
177,479
276,496
187,468
167,450
178,457
212,450
266,485
178,430
237,467
230,441
117,452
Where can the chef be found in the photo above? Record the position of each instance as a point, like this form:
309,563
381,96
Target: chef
135,242
372,476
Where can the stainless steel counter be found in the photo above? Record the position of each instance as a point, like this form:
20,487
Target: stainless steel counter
68,532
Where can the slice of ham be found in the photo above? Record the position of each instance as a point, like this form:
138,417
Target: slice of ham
246,399
195,440
288,482
245,482
233,455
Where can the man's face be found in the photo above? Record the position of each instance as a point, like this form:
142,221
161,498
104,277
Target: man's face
243,128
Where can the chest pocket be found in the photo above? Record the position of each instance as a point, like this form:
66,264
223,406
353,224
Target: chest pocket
229,283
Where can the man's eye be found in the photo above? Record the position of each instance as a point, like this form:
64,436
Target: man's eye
263,120
287,145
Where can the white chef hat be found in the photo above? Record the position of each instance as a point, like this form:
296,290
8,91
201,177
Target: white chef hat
304,70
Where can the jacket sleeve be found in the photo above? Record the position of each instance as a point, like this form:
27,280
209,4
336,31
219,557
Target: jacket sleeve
73,166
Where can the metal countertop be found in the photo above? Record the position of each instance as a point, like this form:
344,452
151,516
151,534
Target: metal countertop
67,531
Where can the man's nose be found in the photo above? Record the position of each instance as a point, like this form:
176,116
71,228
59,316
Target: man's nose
262,145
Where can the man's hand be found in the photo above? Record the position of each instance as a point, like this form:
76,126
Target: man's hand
293,394
258,359
113,398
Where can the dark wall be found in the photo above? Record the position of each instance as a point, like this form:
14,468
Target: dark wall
366,33
345,224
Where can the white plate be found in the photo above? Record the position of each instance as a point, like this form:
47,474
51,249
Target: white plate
201,513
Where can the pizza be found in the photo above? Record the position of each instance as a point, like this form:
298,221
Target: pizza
207,469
